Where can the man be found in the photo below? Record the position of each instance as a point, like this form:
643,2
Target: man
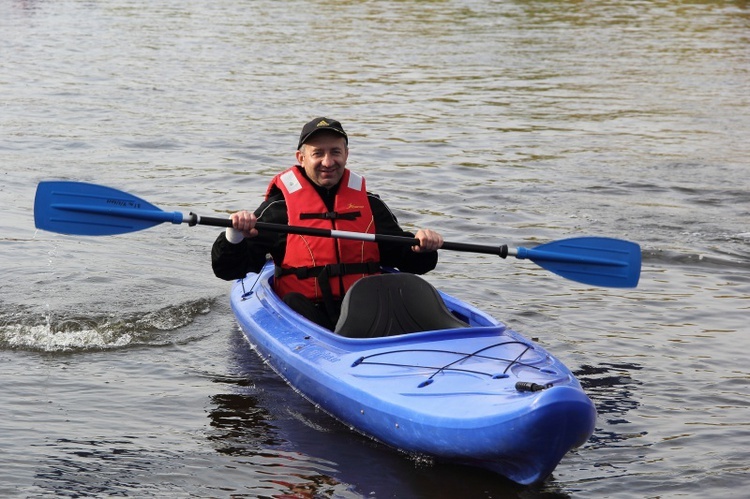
313,273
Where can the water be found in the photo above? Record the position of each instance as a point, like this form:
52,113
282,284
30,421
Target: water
516,122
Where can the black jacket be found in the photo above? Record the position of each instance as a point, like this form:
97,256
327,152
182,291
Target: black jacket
234,261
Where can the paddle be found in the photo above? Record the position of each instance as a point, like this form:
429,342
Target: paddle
94,210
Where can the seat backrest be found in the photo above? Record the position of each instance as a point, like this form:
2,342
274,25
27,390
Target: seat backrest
391,304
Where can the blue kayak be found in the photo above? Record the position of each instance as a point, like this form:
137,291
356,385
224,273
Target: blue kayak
424,373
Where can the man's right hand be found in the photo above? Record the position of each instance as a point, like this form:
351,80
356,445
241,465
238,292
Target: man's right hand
243,225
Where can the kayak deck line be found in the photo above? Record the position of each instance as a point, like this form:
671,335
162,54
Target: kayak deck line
449,367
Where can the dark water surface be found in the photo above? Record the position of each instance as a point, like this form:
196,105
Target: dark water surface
519,122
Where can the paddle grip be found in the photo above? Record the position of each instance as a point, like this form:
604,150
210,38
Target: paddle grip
501,251
194,219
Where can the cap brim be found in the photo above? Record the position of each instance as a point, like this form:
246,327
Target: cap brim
332,129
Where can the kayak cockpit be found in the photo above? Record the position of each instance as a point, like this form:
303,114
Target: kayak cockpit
379,306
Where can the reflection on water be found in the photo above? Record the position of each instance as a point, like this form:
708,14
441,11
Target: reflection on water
614,392
242,426
254,428
97,468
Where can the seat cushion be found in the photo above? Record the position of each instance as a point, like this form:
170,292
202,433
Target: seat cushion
391,304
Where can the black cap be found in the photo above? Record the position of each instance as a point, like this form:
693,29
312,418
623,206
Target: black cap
319,124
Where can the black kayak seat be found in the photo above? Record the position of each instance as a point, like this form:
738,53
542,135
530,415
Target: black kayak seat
391,304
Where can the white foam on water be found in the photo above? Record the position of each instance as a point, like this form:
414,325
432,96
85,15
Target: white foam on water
44,338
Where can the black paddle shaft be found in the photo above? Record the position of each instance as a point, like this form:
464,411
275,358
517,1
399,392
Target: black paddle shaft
501,251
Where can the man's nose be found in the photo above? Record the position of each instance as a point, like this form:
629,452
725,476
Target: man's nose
328,160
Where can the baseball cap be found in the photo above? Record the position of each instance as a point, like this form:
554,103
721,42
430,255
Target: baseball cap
319,124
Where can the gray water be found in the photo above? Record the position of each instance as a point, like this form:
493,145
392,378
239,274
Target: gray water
519,122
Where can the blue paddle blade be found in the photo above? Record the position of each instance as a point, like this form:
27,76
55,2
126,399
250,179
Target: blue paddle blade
599,261
94,210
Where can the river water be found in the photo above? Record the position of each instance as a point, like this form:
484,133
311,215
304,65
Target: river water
519,122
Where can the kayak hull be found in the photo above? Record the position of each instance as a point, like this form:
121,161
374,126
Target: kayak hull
448,394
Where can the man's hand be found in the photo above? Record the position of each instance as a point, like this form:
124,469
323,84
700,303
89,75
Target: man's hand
243,225
429,240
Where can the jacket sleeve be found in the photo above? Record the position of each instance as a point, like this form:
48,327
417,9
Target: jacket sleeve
398,255
233,261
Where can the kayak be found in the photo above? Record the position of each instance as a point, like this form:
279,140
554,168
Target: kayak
424,373
407,365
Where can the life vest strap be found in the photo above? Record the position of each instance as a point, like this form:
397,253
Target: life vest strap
324,273
331,215
331,270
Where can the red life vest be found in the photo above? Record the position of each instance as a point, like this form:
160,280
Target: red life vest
343,261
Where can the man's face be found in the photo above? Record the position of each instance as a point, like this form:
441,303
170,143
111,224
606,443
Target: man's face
323,157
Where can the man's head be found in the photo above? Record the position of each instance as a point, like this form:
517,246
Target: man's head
323,151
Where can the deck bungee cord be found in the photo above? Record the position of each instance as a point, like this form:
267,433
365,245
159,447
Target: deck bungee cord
463,356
